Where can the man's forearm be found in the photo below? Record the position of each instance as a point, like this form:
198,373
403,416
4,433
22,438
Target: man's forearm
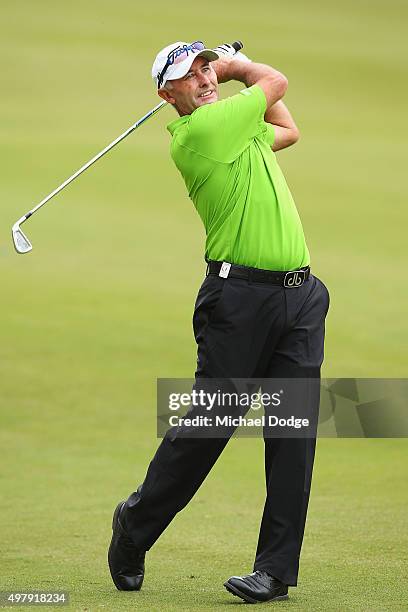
245,72
278,114
286,132
271,81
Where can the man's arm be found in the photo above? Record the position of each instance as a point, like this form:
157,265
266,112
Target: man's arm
271,81
274,85
286,132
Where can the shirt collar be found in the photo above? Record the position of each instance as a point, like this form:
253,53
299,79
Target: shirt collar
176,123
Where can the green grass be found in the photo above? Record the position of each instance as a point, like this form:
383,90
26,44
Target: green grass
56,521
101,308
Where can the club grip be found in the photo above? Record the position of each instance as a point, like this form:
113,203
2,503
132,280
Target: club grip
238,45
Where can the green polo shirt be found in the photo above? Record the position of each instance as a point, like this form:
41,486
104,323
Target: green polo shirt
223,151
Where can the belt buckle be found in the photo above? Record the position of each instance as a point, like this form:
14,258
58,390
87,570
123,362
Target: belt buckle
296,278
225,269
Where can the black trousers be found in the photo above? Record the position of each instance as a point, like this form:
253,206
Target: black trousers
244,330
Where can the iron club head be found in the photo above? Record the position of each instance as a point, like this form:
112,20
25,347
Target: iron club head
20,240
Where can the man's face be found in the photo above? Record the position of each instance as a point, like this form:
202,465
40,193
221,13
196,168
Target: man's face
199,86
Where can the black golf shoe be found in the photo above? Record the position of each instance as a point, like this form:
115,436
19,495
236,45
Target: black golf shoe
126,562
258,587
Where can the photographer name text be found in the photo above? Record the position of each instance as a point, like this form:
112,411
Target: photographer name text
240,421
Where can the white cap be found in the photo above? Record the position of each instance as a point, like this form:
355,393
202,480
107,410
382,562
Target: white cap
175,60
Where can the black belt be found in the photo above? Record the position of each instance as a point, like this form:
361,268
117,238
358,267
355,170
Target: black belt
293,278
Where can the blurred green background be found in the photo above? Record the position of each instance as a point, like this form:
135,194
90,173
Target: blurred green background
102,306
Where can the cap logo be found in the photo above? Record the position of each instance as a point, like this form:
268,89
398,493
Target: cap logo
175,56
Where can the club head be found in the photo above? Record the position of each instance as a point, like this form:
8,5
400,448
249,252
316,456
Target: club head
20,240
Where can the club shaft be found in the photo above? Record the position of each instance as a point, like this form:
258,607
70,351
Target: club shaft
237,46
94,159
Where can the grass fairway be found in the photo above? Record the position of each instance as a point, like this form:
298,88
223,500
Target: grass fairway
102,307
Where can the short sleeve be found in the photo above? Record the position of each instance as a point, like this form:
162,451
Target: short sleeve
269,135
224,129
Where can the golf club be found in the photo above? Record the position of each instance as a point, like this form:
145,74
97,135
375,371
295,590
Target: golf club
20,240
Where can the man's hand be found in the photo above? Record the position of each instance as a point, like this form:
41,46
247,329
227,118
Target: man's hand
221,66
229,50
225,49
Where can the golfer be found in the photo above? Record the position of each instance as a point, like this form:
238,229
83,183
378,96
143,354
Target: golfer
259,312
